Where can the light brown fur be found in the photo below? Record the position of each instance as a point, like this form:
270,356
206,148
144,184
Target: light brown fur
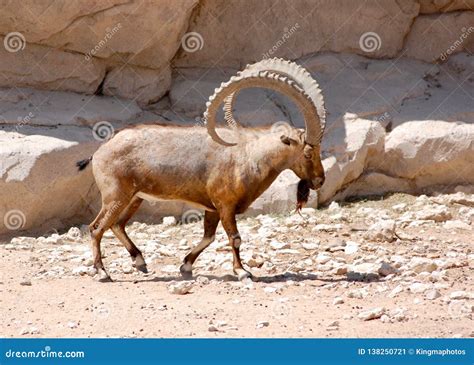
182,163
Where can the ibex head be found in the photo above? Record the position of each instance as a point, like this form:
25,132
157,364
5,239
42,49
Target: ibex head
295,82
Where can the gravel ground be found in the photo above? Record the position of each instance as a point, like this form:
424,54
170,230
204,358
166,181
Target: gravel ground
397,267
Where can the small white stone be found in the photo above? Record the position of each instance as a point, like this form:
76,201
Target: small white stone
460,294
399,207
169,221
386,269
422,264
357,293
84,270
437,213
74,233
351,247
180,287
370,314
457,224
127,269
262,324
310,246
72,324
322,258
419,288
338,300
382,230
279,245
385,319
432,294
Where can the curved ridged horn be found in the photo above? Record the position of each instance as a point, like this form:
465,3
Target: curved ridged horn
300,76
268,80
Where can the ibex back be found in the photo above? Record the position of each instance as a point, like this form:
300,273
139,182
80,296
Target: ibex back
197,166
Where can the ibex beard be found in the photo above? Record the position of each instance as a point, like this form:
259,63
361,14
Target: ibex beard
197,166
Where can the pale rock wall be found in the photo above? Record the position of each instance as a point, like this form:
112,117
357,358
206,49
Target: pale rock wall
399,119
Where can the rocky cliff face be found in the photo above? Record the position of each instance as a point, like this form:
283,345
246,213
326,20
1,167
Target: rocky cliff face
125,48
397,77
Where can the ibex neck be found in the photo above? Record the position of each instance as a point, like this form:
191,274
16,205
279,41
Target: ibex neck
269,154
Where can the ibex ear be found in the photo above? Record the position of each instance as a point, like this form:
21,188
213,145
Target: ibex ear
287,140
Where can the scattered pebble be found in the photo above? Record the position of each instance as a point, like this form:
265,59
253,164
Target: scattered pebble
180,287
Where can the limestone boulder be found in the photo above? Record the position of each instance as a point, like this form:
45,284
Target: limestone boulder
40,186
348,152
70,47
45,68
20,107
143,33
137,83
444,6
431,40
255,30
429,153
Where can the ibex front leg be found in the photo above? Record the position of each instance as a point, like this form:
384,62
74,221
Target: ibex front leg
230,225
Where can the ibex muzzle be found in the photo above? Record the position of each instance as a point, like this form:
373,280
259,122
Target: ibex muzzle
199,167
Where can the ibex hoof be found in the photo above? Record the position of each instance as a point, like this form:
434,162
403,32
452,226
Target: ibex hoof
243,274
103,277
142,268
186,271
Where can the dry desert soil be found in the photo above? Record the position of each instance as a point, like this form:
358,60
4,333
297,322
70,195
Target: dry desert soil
401,266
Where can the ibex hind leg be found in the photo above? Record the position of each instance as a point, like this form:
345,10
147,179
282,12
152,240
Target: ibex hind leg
230,226
119,230
107,216
211,220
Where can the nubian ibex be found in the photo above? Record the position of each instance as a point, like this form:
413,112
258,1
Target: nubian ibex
198,166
